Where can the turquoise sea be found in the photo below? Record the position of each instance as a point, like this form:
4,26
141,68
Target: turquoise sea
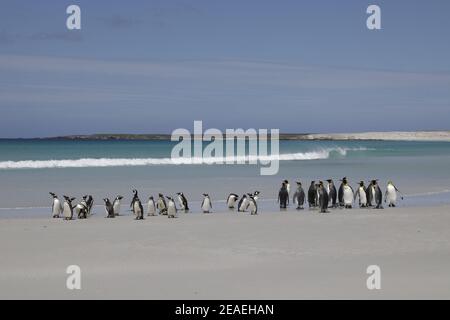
29,169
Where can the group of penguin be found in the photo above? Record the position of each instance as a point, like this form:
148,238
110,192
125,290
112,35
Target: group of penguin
324,197
318,196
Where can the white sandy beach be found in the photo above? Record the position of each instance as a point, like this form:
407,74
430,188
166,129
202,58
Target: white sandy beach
287,255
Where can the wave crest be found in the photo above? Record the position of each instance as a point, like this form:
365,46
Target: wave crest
132,162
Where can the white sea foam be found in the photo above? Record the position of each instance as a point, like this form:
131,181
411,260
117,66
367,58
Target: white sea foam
124,162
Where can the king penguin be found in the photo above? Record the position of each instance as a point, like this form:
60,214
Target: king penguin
332,193
171,208
312,193
299,196
57,208
377,194
391,194
347,194
361,193
323,198
283,196
116,205
151,207
206,203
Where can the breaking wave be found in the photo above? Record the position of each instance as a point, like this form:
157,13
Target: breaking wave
132,162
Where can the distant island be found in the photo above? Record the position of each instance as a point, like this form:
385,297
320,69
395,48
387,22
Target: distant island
383,136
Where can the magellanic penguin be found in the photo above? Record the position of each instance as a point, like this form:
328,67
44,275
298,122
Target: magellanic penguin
256,195
206,203
312,194
161,204
138,209
347,194
82,208
231,200
252,206
332,193
299,196
171,208
391,194
135,197
151,207
361,194
183,202
57,208
323,198
109,208
68,208
89,203
242,203
376,194
283,196
116,205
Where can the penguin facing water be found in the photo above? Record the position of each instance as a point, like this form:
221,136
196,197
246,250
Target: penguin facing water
390,195
283,196
231,200
109,208
323,198
312,195
161,204
57,208
361,193
299,196
116,205
151,207
206,203
171,208
332,193
68,208
183,202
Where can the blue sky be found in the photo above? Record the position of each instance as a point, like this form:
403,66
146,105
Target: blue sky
153,66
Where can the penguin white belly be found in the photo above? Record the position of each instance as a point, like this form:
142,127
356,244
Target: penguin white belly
171,210
67,211
180,202
151,208
206,205
391,195
252,207
56,208
348,195
136,208
231,202
362,196
243,204
116,208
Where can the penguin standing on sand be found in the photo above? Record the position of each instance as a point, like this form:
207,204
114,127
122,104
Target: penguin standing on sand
57,208
347,194
390,195
151,207
341,192
135,197
206,203
252,206
89,203
283,196
68,208
171,208
312,194
377,194
231,200
109,207
361,193
138,210
242,203
161,204
82,208
323,198
183,202
332,193
288,186
116,205
299,196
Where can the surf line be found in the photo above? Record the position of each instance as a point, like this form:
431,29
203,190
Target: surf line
234,141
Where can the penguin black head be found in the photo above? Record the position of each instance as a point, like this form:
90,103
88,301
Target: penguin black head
119,197
313,182
53,195
256,193
299,183
170,198
160,195
329,180
244,196
374,182
150,198
361,183
249,194
206,195
286,182
135,191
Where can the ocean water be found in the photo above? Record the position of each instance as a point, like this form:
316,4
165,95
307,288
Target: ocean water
29,169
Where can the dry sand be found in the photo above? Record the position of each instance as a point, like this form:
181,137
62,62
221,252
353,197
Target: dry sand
287,255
